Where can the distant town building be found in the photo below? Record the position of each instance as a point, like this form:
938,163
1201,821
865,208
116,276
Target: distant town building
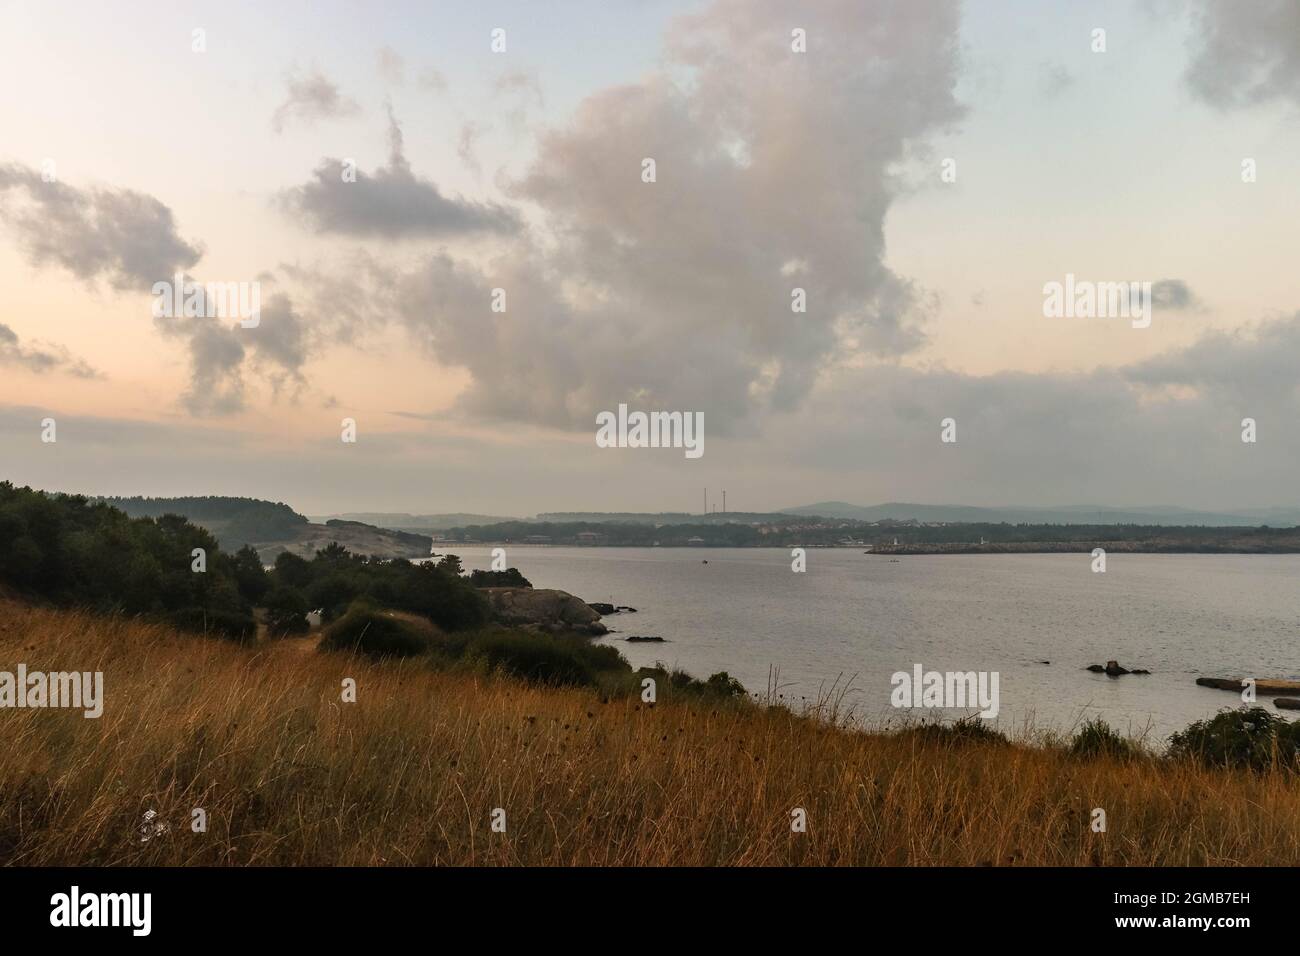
696,540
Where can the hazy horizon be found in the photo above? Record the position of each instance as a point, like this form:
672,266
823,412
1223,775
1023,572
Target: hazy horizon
715,508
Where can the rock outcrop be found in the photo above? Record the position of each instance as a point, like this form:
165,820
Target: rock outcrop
544,609
1268,688
601,608
1112,669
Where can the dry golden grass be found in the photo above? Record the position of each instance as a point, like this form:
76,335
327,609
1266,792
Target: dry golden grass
289,774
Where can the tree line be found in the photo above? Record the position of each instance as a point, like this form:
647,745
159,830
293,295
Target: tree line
73,551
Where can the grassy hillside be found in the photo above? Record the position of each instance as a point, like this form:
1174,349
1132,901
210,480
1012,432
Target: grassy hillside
288,773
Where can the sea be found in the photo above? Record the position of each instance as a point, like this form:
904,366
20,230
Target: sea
844,627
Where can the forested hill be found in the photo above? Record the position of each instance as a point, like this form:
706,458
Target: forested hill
235,521
271,527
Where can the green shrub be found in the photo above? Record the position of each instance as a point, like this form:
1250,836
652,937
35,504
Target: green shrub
250,576
333,594
379,633
292,570
1096,739
1247,738
967,730
724,685
509,578
232,625
556,660
720,687
286,612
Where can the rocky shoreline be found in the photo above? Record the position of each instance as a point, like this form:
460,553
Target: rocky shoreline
547,610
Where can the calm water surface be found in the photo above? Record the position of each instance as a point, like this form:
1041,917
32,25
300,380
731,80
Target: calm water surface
863,617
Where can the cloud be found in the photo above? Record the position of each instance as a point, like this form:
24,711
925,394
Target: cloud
391,203
221,352
127,238
312,97
671,294
524,90
1054,79
391,66
1252,366
431,78
43,358
520,81
1245,54
216,368
466,147
1165,429
1173,294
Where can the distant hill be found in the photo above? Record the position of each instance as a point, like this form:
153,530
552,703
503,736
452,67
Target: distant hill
403,521
272,527
659,518
1066,514
234,521
444,522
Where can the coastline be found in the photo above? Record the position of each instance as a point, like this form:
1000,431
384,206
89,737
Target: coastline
1058,547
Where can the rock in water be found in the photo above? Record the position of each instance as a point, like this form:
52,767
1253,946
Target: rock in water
1112,669
1286,703
1264,686
1219,683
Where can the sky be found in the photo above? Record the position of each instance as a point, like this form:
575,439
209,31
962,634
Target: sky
920,169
